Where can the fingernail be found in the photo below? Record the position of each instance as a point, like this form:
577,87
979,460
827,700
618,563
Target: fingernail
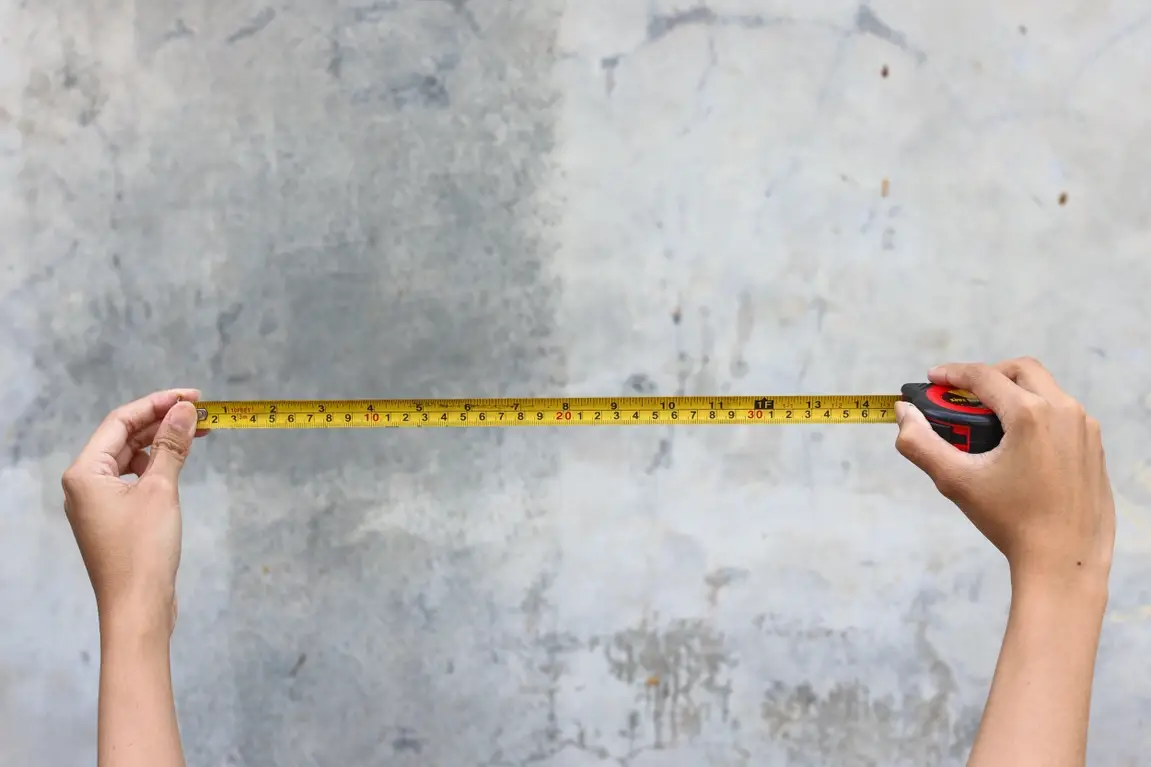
900,411
936,371
184,417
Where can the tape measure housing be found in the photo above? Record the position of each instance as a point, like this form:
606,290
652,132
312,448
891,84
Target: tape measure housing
957,416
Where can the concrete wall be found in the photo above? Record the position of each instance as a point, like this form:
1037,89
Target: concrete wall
476,197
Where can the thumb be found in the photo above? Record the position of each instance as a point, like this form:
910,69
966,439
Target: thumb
918,443
173,441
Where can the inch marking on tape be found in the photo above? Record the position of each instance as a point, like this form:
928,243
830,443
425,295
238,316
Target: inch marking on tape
570,411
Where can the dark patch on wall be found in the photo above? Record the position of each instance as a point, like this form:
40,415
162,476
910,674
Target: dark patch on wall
464,12
662,457
407,741
299,664
179,29
335,59
609,64
868,23
640,383
399,252
253,27
744,326
372,12
717,580
659,26
427,88
429,277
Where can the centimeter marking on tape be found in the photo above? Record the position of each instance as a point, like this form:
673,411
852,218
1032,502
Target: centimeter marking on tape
572,411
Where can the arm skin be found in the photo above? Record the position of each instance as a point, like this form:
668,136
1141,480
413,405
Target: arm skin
129,535
1038,709
137,710
1043,498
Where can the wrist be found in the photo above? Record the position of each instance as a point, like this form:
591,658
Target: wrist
1082,591
137,626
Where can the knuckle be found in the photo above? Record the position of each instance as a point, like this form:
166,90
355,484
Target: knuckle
117,414
1028,410
70,479
1033,410
1030,363
1073,409
909,443
172,445
136,442
1009,367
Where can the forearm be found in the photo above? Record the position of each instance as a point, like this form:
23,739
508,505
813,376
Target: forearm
137,712
1038,709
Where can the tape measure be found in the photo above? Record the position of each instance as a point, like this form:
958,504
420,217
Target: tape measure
956,415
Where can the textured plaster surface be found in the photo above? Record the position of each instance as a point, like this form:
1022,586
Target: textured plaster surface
482,197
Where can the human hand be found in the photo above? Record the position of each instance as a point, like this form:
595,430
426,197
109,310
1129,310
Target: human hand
1042,497
129,532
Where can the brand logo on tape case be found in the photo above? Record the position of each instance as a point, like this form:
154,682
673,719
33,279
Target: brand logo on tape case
961,397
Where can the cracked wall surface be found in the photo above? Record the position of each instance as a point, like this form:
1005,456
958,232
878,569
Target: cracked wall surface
476,197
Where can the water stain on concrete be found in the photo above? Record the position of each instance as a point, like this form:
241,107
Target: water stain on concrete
925,722
681,674
847,723
744,325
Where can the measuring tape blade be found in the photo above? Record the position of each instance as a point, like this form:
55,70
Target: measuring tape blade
571,411
955,414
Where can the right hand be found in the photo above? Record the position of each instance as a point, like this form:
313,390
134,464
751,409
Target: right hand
1042,497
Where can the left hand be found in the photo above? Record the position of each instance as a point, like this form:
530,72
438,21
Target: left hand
129,532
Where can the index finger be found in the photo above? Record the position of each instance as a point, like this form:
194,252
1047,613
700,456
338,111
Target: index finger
113,433
994,389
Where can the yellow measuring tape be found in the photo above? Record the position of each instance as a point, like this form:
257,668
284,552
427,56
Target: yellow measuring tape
571,411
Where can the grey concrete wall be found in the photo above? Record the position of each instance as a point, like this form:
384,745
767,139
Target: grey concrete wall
475,197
